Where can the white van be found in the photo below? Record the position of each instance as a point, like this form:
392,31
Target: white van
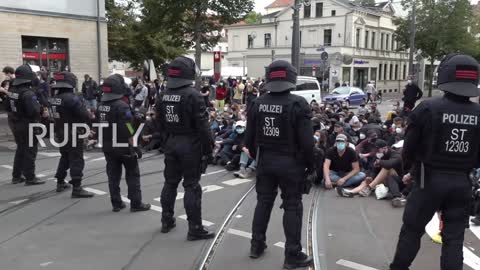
309,88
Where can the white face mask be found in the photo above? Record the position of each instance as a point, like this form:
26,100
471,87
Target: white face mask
362,136
394,126
356,129
149,118
398,130
342,119
380,155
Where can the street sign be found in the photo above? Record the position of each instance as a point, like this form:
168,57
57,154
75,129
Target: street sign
334,73
324,56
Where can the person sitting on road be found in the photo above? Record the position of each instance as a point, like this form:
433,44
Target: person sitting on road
341,167
388,166
338,129
366,150
231,146
247,165
396,131
375,113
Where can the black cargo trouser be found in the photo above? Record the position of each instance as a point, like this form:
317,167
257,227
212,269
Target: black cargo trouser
274,171
115,162
445,192
71,158
25,155
182,159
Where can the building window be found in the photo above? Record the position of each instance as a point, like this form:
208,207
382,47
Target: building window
385,72
396,72
319,10
380,70
334,13
250,41
404,72
268,40
327,37
393,43
346,75
366,39
382,39
373,74
48,53
391,72
387,45
358,38
307,11
372,45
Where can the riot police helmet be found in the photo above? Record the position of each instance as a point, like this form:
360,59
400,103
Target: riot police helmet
64,80
23,75
280,76
459,74
114,88
182,71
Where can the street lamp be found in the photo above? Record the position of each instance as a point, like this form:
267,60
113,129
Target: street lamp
296,32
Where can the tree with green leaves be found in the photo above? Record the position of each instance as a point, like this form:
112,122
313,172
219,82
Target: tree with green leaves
441,28
132,39
253,18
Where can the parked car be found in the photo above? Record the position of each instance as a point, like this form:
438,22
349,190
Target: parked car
309,88
346,96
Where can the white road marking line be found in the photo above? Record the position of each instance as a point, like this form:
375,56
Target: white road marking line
52,178
214,172
95,191
205,189
45,264
469,258
240,233
236,181
18,202
49,154
97,159
7,167
86,157
204,222
282,245
238,216
41,175
475,229
353,265
152,207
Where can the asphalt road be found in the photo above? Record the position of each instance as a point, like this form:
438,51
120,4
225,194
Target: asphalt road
40,229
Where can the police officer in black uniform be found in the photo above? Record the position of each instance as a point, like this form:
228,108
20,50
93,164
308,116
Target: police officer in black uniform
441,148
115,111
67,109
279,134
183,120
24,110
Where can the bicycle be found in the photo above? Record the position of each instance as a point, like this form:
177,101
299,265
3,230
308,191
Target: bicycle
378,98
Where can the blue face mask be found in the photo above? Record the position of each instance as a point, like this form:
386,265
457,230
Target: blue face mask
240,130
341,146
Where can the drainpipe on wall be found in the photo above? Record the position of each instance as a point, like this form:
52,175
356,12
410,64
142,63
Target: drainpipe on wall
99,47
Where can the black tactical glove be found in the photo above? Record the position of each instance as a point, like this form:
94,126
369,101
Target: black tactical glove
138,152
204,164
308,183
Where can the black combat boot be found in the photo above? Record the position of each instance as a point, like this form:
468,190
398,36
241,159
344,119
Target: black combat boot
198,232
33,182
61,185
257,249
297,261
140,207
79,192
168,224
18,180
119,207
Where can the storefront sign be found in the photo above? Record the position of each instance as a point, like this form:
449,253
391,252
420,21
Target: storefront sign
52,56
360,62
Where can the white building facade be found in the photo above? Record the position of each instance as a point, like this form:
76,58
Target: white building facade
360,43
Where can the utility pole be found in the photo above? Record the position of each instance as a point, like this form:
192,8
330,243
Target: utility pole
412,40
296,36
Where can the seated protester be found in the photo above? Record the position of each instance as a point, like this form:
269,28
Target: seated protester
338,129
247,165
375,113
319,153
397,188
388,167
366,150
341,167
355,132
362,110
231,146
151,133
397,131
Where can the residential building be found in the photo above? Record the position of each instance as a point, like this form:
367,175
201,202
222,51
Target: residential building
359,40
